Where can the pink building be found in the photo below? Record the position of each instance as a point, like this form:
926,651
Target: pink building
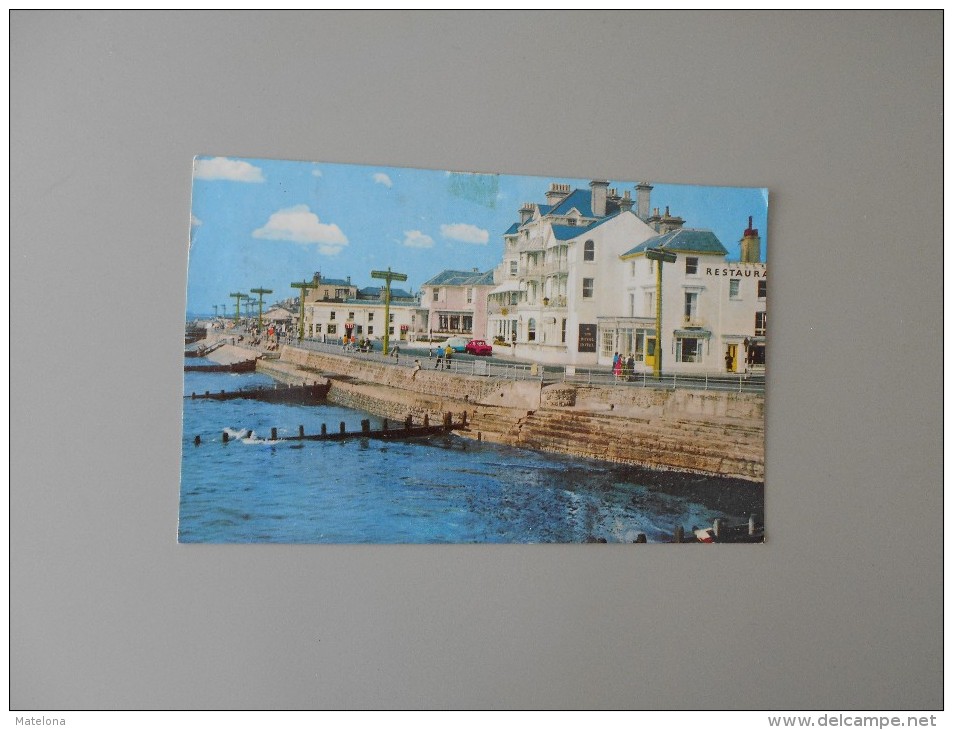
454,303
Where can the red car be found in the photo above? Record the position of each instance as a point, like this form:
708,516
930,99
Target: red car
478,347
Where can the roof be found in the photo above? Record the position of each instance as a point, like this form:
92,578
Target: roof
511,230
376,292
581,200
334,282
693,240
564,233
449,277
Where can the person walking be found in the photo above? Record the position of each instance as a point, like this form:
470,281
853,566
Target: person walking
439,358
416,369
447,354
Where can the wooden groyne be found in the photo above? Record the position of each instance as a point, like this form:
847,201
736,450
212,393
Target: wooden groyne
246,366
402,431
280,393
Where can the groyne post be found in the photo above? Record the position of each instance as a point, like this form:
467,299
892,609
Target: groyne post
300,431
274,434
426,420
384,425
343,427
324,429
409,421
679,534
224,437
366,425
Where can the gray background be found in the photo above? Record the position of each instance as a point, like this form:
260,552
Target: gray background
838,114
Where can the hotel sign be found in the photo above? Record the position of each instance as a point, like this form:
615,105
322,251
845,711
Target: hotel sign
587,338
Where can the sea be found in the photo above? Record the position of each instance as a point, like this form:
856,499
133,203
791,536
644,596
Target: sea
443,489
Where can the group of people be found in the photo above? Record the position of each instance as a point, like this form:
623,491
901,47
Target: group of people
443,356
622,367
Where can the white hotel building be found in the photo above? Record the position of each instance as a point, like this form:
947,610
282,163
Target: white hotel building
574,286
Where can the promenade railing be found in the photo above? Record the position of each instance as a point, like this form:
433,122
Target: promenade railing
501,370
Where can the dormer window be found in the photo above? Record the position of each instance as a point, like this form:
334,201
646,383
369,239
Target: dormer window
570,221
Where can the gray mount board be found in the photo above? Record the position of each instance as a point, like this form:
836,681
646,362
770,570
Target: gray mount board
841,608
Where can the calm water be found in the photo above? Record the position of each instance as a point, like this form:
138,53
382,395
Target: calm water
445,489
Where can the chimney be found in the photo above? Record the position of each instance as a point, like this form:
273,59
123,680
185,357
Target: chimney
670,222
751,244
625,204
349,280
556,193
599,189
643,197
526,212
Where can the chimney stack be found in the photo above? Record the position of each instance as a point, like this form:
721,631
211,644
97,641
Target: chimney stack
526,212
751,244
599,189
556,192
626,203
643,197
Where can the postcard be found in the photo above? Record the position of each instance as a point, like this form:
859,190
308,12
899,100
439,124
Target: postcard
394,355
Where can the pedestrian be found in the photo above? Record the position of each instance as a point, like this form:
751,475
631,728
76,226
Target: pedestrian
630,367
447,354
617,365
729,360
416,369
439,358
397,354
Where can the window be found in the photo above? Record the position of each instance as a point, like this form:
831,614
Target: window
469,295
734,286
467,323
691,264
512,268
436,294
632,271
631,304
531,330
370,316
570,221
608,343
650,303
589,251
563,332
317,328
588,286
391,318
760,324
688,349
332,329
370,329
762,288
514,298
332,315
350,315
357,330
691,306
390,330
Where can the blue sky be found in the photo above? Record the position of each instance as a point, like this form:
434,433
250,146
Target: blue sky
265,223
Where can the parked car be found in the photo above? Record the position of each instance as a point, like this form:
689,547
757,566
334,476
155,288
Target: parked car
457,344
478,347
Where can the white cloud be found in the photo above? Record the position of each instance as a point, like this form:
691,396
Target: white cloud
300,225
464,232
222,168
380,177
416,239
195,221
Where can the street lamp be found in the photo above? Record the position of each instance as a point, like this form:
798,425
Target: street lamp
259,291
238,304
657,254
387,276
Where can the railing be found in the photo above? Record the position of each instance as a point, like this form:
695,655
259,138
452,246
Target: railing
501,370
737,382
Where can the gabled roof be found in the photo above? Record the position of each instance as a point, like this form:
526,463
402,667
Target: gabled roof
692,240
512,229
581,200
449,277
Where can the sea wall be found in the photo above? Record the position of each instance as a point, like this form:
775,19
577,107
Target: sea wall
706,432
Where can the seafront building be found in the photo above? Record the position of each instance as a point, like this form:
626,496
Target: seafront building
454,303
574,286
337,308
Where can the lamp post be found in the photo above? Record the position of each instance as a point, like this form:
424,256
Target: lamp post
238,304
388,276
660,256
259,291
303,286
